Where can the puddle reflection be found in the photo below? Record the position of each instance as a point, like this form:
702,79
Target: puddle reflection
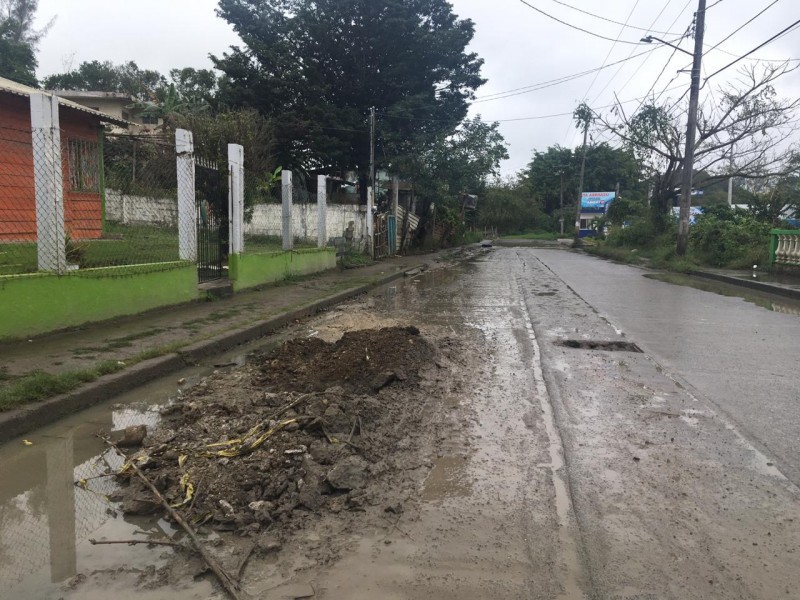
776,304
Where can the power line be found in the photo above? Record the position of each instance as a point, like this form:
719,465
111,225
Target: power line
541,85
671,25
742,26
756,58
597,35
533,118
770,40
610,50
586,12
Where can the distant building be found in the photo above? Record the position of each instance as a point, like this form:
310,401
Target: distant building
593,205
114,104
81,134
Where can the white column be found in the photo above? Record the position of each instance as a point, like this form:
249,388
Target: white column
395,194
48,181
187,206
286,211
236,198
322,211
370,220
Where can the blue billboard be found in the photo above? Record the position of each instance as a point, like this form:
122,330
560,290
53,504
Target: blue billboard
596,202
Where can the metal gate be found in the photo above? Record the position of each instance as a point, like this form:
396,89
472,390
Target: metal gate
211,186
380,241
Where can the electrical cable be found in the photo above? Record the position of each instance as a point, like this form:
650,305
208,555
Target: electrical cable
534,87
671,25
533,118
610,50
592,33
742,26
770,40
586,12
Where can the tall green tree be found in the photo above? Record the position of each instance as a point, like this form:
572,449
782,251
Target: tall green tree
19,40
105,76
605,168
318,67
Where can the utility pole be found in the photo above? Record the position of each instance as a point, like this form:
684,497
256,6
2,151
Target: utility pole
730,179
561,203
372,151
577,241
691,129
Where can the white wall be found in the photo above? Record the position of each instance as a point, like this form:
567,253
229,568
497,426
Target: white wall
267,220
132,210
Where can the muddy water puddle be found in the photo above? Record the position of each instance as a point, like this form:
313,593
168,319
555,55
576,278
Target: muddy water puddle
46,520
768,301
447,479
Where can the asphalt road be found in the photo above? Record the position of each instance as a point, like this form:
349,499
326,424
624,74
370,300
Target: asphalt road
742,357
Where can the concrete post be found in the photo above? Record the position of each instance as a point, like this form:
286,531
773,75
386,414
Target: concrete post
395,194
48,179
370,221
187,206
322,211
391,222
236,198
286,212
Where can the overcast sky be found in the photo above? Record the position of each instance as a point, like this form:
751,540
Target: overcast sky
521,47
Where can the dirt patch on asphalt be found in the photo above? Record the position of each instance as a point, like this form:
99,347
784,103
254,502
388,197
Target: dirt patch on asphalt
308,430
361,361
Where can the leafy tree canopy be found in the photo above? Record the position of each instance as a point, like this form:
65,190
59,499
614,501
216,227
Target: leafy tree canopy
125,78
318,67
19,39
605,168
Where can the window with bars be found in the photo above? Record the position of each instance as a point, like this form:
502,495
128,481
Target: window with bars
84,166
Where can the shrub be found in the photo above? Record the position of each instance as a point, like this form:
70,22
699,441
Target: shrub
729,238
639,233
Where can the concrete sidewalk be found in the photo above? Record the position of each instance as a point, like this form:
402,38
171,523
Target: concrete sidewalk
142,347
779,284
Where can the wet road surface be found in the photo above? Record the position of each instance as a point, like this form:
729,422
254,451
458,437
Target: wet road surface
557,471
738,355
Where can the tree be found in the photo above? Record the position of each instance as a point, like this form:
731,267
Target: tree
126,78
19,40
746,134
509,206
317,68
605,168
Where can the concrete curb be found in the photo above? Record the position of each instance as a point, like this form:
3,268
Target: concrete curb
20,421
753,285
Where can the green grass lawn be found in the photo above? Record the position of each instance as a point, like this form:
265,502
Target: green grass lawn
120,245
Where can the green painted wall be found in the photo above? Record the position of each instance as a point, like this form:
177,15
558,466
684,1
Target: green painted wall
249,270
37,303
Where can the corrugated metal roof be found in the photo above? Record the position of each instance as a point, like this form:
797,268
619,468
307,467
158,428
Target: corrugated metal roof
13,87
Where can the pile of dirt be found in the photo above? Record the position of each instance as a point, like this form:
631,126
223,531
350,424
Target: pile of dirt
361,361
253,450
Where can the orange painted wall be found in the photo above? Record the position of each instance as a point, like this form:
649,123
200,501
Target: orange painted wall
82,211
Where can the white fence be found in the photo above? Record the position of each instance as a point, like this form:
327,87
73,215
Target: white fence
140,210
266,220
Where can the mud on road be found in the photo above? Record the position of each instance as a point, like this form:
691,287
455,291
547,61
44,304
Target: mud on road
482,456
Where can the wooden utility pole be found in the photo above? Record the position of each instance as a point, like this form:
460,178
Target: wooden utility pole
561,203
577,240
372,150
691,129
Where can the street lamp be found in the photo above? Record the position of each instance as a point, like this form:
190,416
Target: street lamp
649,40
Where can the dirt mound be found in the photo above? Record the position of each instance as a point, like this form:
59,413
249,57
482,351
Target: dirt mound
235,457
361,361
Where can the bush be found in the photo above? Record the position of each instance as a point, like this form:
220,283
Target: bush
729,238
640,233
